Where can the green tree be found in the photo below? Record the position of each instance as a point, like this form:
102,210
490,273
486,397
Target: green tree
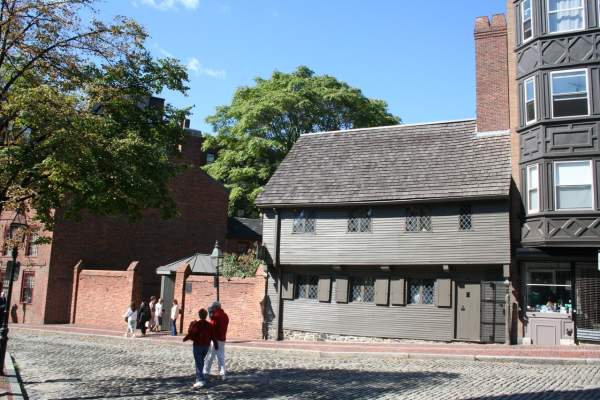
77,130
256,131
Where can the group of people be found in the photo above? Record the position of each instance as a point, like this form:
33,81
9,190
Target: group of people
208,336
148,316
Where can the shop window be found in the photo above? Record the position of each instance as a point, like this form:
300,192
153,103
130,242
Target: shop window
527,20
27,285
573,183
569,93
363,290
307,287
420,291
565,15
549,290
360,221
418,220
304,222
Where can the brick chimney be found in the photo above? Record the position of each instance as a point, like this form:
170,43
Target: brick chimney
491,53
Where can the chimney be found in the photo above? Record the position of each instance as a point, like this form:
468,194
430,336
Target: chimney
491,53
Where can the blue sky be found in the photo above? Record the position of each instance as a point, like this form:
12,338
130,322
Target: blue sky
416,55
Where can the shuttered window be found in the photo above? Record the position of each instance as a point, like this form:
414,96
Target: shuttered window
420,291
307,287
363,290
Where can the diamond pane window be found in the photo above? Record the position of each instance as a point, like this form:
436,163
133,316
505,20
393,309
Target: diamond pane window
307,287
465,219
420,291
360,221
418,220
304,222
363,290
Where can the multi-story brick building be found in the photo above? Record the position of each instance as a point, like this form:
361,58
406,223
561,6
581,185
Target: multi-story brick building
43,289
555,98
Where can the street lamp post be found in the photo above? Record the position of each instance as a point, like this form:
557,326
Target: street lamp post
217,256
17,223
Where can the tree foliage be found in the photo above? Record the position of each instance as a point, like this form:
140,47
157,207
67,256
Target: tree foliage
77,130
240,265
262,123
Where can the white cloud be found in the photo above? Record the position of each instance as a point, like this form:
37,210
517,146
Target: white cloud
169,4
194,65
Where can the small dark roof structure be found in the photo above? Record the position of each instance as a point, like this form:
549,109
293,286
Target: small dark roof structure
402,163
200,264
244,228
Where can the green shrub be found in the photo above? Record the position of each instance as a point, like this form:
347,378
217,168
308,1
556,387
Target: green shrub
240,266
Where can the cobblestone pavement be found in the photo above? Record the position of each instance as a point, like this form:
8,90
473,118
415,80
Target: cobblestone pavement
66,366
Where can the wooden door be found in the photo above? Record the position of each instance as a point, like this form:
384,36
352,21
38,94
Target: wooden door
468,311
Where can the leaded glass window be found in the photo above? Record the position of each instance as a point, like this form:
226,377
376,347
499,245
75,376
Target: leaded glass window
420,291
304,222
418,219
307,287
363,290
465,218
360,221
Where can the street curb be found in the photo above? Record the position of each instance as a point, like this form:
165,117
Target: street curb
14,380
346,355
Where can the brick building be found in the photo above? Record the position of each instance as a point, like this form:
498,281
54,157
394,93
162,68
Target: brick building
43,289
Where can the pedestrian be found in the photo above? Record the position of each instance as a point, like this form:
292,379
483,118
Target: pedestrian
143,317
158,313
174,315
202,333
220,320
131,319
3,306
152,322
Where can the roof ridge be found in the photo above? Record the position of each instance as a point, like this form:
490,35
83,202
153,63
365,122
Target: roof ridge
390,127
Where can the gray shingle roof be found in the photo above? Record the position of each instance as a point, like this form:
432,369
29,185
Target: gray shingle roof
200,264
244,228
437,161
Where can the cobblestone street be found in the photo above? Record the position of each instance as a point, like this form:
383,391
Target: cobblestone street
65,366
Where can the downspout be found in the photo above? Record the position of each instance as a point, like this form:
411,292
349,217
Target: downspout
280,275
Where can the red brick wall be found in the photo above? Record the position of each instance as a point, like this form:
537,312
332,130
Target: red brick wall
102,297
241,299
108,241
491,53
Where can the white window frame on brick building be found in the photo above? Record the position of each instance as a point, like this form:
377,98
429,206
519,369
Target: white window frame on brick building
557,12
578,179
27,287
533,188
524,20
527,85
570,96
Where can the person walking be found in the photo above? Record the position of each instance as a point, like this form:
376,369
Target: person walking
220,320
158,313
143,317
131,319
202,333
174,315
152,321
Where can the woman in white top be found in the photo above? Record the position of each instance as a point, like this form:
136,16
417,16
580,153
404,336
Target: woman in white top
174,315
131,318
158,313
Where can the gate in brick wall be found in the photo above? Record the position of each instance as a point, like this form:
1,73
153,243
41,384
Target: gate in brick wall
493,311
587,289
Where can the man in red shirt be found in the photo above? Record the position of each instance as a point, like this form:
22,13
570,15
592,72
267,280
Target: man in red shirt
202,333
220,321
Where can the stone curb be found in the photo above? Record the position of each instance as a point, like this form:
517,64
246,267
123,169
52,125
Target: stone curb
14,383
319,354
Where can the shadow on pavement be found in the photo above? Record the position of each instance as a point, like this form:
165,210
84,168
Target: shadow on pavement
265,384
583,394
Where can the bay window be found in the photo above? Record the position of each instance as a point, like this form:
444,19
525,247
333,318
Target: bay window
533,189
565,15
530,100
569,93
573,185
527,20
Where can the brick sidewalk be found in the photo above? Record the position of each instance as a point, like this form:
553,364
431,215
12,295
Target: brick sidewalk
473,351
10,388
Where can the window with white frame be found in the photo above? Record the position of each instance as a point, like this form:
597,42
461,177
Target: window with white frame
569,93
530,100
527,20
565,15
304,222
533,189
573,185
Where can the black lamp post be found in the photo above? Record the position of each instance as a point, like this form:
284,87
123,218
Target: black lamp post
217,257
18,223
